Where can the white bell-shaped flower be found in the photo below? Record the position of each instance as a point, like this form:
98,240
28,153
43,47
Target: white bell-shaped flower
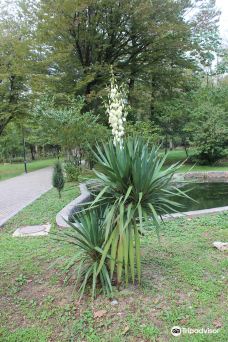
116,111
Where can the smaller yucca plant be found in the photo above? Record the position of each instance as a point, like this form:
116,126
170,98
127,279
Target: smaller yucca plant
88,237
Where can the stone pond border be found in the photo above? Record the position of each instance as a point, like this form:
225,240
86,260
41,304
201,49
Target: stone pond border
209,176
203,176
195,213
63,215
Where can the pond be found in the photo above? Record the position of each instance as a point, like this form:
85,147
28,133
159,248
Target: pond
207,195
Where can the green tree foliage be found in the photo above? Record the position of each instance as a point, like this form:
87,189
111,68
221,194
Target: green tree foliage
72,171
206,36
182,118
149,43
222,65
14,61
64,122
211,137
58,178
61,118
11,146
146,129
65,49
209,124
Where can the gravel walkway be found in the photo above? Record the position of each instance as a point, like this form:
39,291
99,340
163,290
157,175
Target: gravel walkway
17,192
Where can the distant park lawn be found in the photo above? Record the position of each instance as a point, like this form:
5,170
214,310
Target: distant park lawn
11,170
180,155
8,170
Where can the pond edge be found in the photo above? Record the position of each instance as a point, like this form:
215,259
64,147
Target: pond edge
220,176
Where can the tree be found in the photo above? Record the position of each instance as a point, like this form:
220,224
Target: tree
210,138
146,129
64,123
14,89
148,43
209,124
65,49
206,36
11,146
58,178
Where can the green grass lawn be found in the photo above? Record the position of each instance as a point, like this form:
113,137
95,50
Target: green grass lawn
180,155
177,155
11,170
184,283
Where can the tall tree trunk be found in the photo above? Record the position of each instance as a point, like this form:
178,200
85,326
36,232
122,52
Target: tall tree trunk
171,144
33,151
131,86
185,147
166,143
186,151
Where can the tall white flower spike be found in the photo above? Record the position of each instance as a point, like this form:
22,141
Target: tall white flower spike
116,110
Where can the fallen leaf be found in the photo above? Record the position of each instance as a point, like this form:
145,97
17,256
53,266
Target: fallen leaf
126,329
217,324
184,321
99,313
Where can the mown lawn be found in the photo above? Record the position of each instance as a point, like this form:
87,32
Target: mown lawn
11,170
184,284
180,155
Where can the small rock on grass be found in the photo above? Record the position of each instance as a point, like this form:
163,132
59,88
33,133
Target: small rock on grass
114,302
222,246
99,313
126,329
37,230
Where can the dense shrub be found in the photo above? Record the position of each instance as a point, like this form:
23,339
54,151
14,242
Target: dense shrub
72,171
210,140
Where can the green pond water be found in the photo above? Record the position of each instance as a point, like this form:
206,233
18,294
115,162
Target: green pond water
207,195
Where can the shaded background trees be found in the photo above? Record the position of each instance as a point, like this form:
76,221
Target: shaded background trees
164,51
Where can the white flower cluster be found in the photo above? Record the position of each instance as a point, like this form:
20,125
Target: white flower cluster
116,111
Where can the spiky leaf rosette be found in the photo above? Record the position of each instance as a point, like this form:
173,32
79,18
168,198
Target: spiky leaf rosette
88,237
137,191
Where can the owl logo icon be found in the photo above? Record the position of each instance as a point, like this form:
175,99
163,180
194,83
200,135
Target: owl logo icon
176,331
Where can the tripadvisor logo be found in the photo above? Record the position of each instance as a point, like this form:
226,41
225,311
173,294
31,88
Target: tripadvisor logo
176,331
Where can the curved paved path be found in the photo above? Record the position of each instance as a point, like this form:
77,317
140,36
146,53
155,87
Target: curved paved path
17,192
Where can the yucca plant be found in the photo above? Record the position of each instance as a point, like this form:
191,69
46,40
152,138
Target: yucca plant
133,191
88,236
137,192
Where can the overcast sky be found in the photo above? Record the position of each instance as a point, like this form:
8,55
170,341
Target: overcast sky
223,6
